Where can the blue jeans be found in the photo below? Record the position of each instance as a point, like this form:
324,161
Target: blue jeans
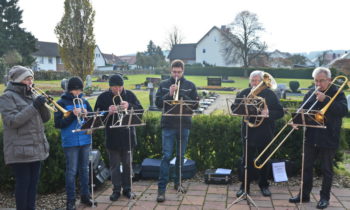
168,139
27,177
77,159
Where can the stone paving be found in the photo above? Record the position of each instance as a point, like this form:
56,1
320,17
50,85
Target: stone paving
203,196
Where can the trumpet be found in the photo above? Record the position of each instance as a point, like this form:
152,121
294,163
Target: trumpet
319,117
79,103
121,100
177,92
51,105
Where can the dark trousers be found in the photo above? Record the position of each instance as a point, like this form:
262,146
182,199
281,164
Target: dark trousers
253,152
119,179
27,177
326,158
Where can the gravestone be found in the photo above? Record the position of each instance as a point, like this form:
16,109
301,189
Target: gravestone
348,99
64,84
165,76
88,81
214,81
152,83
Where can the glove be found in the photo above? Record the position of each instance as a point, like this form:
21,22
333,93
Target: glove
39,102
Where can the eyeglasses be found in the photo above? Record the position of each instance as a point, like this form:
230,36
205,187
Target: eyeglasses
177,72
320,81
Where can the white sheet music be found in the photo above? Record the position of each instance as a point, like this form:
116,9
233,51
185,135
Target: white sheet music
279,172
223,171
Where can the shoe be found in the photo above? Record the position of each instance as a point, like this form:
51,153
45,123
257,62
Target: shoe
240,192
128,194
71,205
86,199
296,199
115,196
161,197
176,187
322,204
265,191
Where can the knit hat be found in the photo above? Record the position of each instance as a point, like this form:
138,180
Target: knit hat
116,80
75,83
19,73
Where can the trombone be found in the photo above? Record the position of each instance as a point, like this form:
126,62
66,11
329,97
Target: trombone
319,117
51,105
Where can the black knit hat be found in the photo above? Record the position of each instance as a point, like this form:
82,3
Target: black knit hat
116,80
75,83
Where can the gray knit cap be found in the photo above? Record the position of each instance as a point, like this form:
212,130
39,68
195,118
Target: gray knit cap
19,73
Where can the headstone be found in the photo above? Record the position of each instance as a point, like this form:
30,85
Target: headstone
152,100
64,84
154,80
138,86
165,76
88,81
348,99
214,81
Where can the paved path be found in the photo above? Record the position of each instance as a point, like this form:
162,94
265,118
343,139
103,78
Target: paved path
203,196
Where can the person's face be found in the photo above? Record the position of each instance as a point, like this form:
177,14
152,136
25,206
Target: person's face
116,89
255,80
76,92
177,72
28,81
321,81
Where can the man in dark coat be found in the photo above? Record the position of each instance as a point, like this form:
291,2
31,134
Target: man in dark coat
117,139
171,124
258,137
322,143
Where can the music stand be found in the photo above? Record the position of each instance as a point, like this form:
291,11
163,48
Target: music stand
305,118
130,119
246,108
179,108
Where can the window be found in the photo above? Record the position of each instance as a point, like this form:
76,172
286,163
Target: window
203,50
50,60
41,60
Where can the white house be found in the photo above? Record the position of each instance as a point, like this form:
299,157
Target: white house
99,59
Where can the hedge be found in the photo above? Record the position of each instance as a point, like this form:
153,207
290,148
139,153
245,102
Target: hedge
215,142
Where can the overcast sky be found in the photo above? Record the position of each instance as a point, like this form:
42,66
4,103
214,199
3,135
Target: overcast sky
126,26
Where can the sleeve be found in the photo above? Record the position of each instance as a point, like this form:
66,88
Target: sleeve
88,106
45,114
11,116
98,104
274,106
339,107
60,121
161,95
237,101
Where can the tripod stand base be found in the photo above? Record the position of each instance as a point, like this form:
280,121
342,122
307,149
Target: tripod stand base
181,189
244,196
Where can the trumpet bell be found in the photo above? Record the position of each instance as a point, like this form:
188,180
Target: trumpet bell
270,81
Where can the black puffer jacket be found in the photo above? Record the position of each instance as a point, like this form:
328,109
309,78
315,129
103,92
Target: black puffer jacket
262,135
188,91
118,138
329,137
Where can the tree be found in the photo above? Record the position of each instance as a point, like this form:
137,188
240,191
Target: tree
297,59
151,58
322,58
12,36
241,40
76,39
174,37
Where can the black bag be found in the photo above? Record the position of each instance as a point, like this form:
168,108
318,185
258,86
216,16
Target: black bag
212,177
100,171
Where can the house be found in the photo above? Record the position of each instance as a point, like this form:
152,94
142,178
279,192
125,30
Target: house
185,52
129,61
47,57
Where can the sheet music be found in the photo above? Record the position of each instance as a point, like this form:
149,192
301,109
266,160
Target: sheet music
279,172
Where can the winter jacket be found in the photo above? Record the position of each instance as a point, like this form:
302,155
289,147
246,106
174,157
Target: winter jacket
24,137
67,125
328,137
118,138
188,91
263,134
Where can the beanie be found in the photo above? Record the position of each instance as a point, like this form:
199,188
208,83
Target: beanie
19,73
116,80
75,83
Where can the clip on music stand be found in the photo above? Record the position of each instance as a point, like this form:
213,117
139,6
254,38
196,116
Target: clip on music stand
247,108
129,119
179,108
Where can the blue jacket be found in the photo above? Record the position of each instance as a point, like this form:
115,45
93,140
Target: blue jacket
70,139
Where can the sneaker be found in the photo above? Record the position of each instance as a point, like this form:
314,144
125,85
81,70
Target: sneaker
115,196
86,199
161,197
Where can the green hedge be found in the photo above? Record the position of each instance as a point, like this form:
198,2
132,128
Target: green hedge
214,142
51,75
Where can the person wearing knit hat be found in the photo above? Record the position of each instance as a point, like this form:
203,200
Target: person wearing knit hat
76,145
19,73
119,141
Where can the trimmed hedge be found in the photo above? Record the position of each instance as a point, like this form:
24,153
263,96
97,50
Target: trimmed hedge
215,142
51,75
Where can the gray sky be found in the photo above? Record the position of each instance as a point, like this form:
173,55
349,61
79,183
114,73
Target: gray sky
126,26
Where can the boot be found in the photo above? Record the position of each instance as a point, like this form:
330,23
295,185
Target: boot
71,205
86,199
115,196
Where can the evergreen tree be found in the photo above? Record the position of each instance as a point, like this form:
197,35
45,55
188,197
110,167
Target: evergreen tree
12,36
76,38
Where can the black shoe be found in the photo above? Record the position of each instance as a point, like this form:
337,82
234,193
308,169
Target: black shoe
240,192
71,205
322,204
296,199
265,191
161,197
128,194
86,199
115,196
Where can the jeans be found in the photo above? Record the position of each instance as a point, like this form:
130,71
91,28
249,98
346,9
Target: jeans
77,159
168,139
27,178
120,180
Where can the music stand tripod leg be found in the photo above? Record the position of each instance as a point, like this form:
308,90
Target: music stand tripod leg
94,204
180,188
133,196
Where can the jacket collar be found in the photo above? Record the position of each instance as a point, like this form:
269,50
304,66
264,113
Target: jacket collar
19,88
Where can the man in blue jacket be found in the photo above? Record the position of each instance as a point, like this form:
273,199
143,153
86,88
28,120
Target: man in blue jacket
76,145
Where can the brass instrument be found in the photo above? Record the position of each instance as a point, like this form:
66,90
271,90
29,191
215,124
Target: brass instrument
79,103
118,106
319,117
51,105
177,92
267,82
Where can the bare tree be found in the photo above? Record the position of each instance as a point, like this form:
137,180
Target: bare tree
241,41
174,37
322,58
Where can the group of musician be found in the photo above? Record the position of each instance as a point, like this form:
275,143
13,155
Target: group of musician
25,143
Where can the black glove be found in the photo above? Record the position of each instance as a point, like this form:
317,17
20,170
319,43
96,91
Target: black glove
39,101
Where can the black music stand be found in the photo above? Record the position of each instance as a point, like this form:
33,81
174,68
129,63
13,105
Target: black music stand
131,118
247,108
179,108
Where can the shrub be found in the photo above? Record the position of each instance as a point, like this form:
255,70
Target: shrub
294,85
